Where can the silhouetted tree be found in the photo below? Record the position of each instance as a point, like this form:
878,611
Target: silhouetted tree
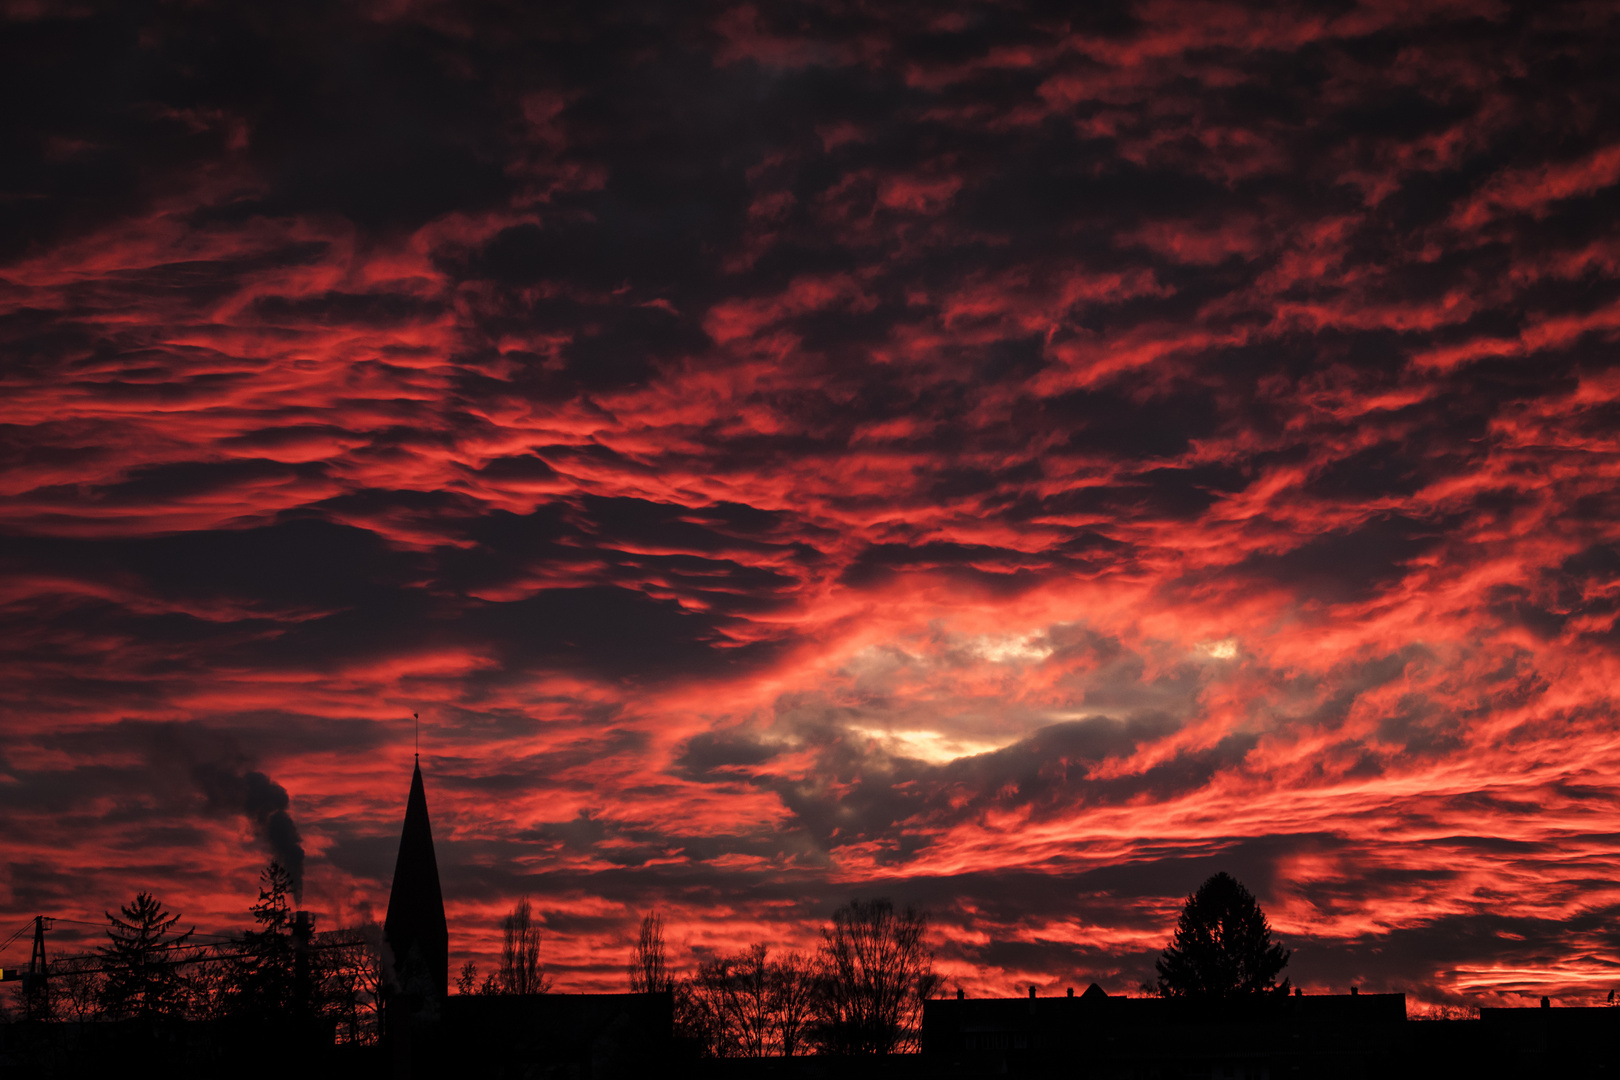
734,998
648,971
696,1019
520,953
262,982
1222,946
346,981
713,1013
372,978
876,971
212,981
751,977
467,981
753,1006
793,997
140,976
77,989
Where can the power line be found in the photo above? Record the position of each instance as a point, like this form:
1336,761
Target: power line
21,930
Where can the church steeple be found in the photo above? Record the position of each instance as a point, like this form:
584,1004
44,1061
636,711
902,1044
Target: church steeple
416,929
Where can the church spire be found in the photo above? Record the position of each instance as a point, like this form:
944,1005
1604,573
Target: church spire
416,929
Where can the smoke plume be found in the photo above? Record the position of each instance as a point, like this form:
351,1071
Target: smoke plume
264,803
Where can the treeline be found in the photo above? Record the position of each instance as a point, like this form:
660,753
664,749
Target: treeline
860,992
280,971
519,972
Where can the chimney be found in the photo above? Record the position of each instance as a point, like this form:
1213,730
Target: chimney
1546,1003
960,994
302,931
1071,991
1354,990
1031,991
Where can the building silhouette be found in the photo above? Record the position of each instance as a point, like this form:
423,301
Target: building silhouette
418,938
415,928
428,1032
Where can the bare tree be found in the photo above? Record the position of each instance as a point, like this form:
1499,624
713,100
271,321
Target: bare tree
749,1005
77,988
751,1001
467,981
372,973
212,983
876,971
348,978
520,953
733,996
793,998
712,1008
695,1017
648,971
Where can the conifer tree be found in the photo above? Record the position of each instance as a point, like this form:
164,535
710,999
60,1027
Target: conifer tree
1222,946
141,979
263,977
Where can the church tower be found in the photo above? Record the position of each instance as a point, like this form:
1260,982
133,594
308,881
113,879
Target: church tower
416,930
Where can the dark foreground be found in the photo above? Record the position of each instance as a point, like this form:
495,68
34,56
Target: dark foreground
1091,1037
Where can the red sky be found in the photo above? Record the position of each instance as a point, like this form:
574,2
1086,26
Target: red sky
1015,462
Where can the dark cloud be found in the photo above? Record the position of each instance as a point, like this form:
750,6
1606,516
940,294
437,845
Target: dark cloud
707,754
1351,564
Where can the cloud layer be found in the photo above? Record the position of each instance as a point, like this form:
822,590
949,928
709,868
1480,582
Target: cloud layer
1013,461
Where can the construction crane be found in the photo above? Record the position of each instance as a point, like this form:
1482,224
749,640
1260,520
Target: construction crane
34,984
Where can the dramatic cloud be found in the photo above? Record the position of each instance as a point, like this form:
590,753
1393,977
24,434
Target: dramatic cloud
1011,460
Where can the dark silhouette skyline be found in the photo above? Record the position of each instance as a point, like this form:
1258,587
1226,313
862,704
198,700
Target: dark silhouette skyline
865,1005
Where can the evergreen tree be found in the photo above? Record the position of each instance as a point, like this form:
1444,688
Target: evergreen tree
141,978
1222,946
263,979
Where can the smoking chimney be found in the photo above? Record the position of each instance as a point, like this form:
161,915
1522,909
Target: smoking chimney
303,929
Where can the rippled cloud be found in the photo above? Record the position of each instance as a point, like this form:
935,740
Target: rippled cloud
1011,460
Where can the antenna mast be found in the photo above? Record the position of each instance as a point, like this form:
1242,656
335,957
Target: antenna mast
418,718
